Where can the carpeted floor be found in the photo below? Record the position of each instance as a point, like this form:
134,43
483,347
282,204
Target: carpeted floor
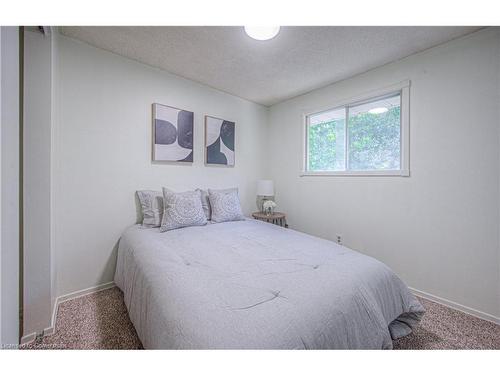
100,321
95,321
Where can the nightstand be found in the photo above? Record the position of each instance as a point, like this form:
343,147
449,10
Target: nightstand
277,218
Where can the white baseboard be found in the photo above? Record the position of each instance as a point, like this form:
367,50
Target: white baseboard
457,306
66,297
49,330
28,338
84,292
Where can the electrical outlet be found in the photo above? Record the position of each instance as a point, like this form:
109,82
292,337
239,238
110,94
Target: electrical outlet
339,239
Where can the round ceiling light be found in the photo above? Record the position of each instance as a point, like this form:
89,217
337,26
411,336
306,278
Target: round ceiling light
262,32
378,110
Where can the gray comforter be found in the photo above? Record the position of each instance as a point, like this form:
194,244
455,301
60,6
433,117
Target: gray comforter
252,285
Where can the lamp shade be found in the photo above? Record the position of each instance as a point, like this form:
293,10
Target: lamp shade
265,188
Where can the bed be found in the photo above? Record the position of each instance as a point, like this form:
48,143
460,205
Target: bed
253,285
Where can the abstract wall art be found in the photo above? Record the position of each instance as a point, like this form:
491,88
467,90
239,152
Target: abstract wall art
219,141
172,134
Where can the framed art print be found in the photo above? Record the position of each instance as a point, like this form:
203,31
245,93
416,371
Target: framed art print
172,134
219,141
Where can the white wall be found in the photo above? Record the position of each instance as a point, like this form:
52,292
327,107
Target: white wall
9,177
102,153
439,228
37,125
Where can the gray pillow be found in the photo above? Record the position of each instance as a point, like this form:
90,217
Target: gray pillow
182,210
151,206
205,203
225,205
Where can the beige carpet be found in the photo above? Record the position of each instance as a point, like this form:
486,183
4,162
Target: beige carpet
100,321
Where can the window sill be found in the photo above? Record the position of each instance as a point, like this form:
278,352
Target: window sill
398,173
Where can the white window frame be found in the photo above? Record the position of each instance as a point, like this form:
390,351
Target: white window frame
402,88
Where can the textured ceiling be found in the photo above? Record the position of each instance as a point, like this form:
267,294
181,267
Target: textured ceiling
296,61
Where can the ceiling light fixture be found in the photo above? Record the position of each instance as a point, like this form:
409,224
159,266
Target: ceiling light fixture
262,32
378,110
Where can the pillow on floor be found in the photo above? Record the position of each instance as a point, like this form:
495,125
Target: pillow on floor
225,205
151,206
205,203
182,210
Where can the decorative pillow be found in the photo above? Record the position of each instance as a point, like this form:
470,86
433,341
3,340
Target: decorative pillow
225,205
152,207
205,203
182,210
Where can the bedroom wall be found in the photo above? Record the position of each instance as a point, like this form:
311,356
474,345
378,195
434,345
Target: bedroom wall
102,145
439,228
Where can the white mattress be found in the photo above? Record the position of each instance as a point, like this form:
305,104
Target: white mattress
253,285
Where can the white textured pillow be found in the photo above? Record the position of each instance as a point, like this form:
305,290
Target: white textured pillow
205,203
225,205
182,210
151,206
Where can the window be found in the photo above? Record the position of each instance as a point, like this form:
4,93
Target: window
364,137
